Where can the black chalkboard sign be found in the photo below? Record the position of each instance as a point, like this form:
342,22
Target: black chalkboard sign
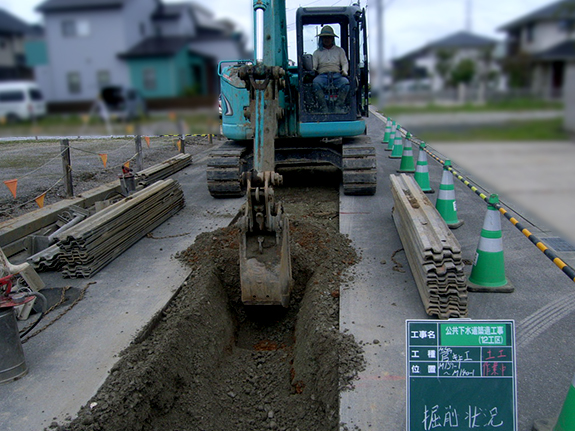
461,375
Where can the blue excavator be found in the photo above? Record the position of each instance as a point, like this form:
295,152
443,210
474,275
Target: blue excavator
273,117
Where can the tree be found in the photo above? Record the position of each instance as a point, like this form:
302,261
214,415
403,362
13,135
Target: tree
518,70
444,64
464,72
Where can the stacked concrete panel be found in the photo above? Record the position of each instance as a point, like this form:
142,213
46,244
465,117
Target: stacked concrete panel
163,170
86,248
433,252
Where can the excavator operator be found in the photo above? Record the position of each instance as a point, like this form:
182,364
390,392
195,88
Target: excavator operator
332,67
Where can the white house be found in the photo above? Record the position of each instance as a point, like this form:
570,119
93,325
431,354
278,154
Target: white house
547,38
421,64
144,44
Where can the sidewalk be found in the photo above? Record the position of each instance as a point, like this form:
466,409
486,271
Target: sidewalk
473,118
537,176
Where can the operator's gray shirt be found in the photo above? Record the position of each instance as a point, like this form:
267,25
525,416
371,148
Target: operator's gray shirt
330,60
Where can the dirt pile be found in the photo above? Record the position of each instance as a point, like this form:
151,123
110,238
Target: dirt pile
207,362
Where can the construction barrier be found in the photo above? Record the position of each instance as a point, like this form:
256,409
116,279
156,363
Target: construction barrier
551,255
120,161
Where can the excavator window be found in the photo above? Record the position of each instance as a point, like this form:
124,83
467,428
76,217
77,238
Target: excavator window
324,93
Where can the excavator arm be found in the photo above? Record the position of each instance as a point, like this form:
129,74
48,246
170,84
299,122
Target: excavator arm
265,262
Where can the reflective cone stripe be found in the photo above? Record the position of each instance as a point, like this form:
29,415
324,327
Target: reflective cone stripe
387,132
422,171
488,266
445,204
393,136
398,145
566,420
407,162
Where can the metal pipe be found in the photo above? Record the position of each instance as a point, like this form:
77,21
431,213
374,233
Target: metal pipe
259,42
77,219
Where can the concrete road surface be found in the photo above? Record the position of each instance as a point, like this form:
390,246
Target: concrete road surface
537,176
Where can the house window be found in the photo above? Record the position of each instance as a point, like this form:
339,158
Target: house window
74,82
103,77
529,32
149,78
68,28
567,25
71,28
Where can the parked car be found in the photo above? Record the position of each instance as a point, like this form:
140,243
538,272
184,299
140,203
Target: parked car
121,103
21,100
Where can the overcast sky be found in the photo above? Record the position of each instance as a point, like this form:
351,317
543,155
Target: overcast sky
408,24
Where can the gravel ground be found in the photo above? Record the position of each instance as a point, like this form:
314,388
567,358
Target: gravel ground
38,166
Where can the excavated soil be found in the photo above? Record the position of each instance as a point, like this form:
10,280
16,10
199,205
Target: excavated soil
207,362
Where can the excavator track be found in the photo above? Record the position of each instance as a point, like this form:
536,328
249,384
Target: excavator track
225,167
359,166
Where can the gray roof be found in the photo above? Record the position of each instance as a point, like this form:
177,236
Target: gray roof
552,12
168,11
9,24
562,51
461,39
72,5
158,46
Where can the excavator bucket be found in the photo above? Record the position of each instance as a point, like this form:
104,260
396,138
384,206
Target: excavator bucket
265,266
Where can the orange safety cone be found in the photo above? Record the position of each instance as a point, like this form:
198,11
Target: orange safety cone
488,273
445,204
422,170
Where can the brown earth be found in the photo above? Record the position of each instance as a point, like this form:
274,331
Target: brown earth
207,362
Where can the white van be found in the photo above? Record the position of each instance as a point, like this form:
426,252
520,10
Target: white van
21,100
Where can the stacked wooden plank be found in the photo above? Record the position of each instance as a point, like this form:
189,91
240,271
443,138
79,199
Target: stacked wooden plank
163,170
433,252
89,246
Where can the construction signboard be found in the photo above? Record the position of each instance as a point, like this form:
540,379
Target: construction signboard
461,375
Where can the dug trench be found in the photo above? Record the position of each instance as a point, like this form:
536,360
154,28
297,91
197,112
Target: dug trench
211,363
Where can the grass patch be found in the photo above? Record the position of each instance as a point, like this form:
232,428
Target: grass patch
535,130
516,104
74,124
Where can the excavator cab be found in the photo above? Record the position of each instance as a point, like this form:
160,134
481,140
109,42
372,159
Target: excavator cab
349,25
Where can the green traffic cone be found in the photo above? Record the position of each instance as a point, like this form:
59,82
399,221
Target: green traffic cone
407,163
566,421
397,151
445,204
422,171
387,131
392,136
488,273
